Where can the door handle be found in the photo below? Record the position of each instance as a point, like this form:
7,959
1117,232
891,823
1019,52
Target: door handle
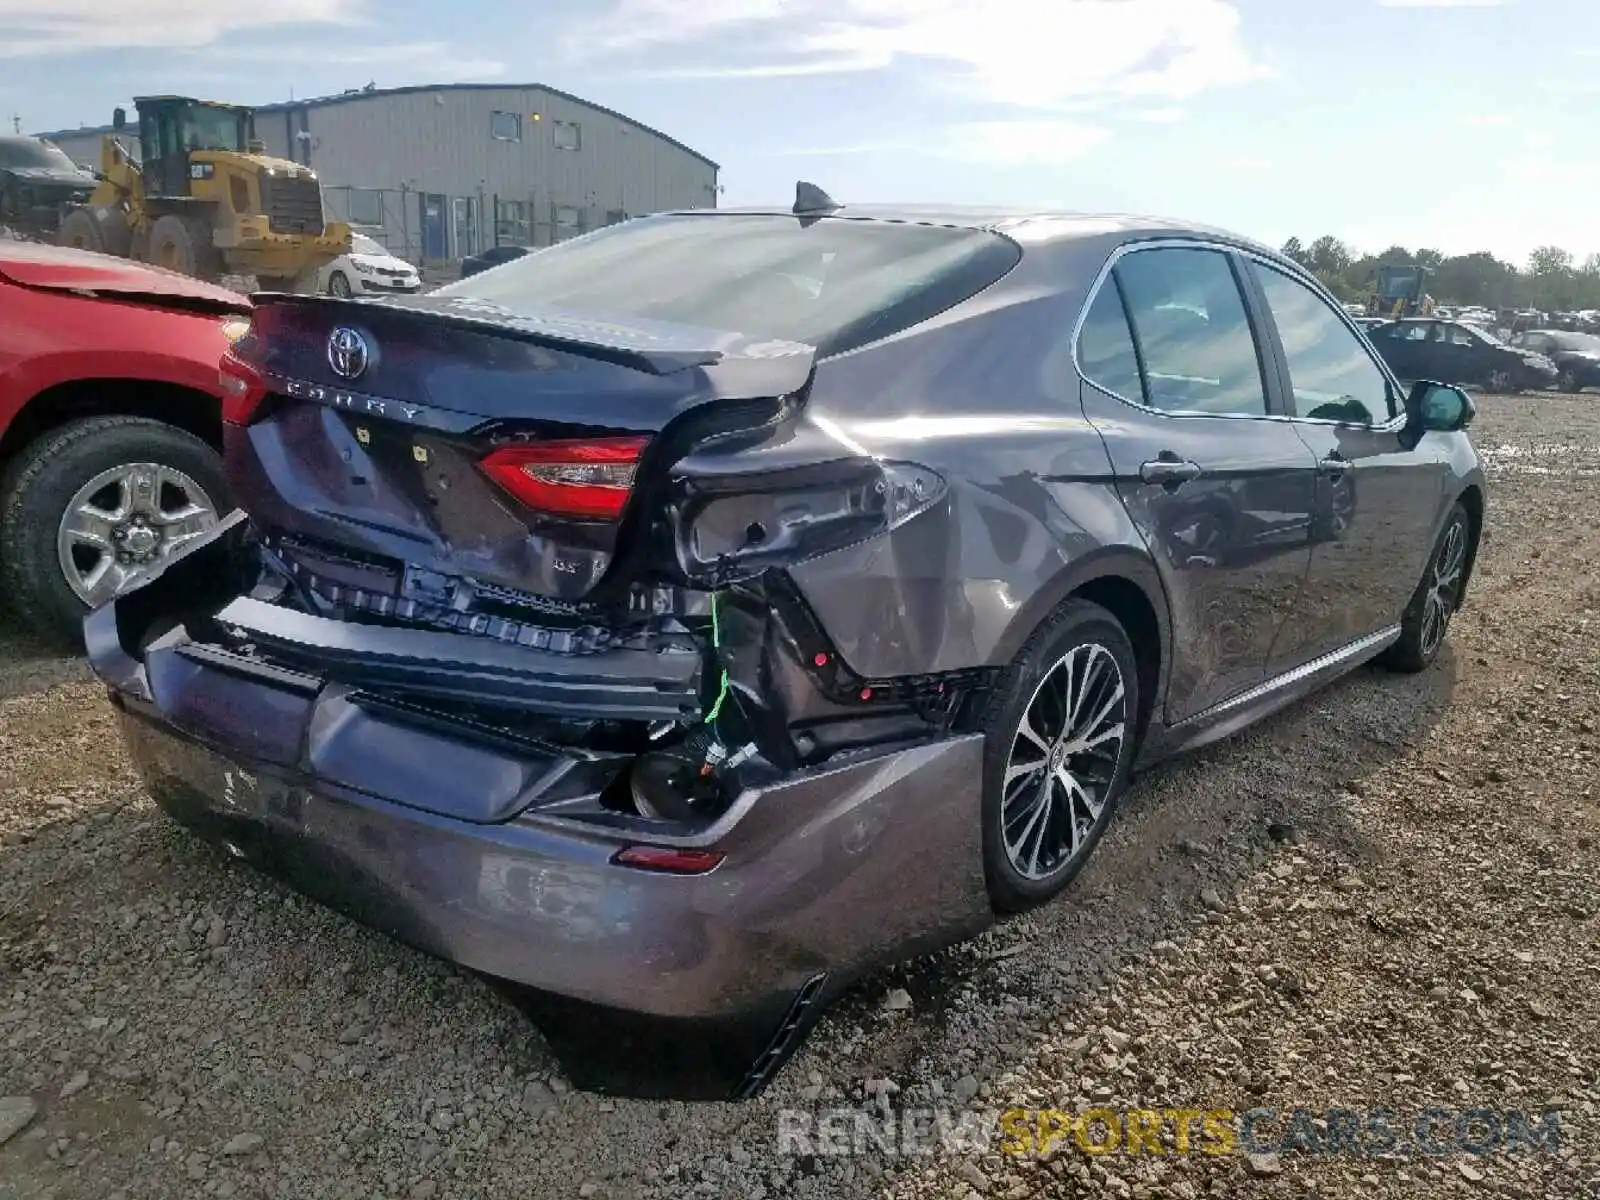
1334,464
1169,472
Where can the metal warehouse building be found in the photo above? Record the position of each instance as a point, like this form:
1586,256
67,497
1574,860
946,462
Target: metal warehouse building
445,171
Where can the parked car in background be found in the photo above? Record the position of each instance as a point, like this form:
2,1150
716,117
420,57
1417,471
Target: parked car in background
110,424
1423,348
369,269
492,257
1576,355
36,180
700,612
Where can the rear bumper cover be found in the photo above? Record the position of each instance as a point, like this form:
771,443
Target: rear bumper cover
467,850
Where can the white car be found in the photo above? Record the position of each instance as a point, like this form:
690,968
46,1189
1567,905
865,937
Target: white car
366,270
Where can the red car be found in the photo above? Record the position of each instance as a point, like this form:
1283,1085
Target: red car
109,423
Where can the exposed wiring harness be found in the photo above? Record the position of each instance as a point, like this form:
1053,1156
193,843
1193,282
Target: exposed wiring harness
716,645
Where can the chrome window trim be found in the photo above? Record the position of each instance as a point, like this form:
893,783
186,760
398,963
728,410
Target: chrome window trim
1394,424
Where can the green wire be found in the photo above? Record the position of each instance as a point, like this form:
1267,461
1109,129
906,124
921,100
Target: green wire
716,644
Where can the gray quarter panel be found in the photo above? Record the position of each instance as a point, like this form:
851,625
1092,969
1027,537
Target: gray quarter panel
947,590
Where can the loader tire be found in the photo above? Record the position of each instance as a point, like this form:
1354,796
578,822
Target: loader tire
81,231
88,229
183,244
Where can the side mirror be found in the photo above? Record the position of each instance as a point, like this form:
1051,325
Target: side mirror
119,119
1438,408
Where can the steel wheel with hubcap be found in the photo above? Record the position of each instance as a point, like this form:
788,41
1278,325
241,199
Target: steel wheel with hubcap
124,521
1060,741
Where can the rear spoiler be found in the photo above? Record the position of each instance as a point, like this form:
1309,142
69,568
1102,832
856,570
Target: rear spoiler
655,347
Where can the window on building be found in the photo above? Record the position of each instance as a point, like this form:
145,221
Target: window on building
566,221
615,216
511,223
568,135
505,126
366,206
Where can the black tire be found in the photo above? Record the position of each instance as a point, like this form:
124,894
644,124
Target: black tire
103,230
1419,642
183,244
1075,626
37,488
80,230
339,285
1567,381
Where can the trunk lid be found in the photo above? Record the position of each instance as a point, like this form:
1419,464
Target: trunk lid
367,451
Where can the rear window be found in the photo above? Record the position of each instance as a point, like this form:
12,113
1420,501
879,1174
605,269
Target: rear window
27,152
833,283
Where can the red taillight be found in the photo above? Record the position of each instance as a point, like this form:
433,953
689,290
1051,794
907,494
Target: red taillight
588,479
668,860
243,389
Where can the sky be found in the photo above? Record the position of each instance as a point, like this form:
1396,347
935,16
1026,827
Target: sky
1453,124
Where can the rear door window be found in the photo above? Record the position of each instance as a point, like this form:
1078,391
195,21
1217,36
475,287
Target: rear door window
1193,332
832,282
1105,346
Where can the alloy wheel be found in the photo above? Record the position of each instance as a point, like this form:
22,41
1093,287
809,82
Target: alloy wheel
1499,381
1567,381
1440,600
123,522
1062,762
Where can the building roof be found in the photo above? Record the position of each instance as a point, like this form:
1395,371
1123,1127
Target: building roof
365,94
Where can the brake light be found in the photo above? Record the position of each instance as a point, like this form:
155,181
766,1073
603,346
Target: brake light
589,480
243,388
668,860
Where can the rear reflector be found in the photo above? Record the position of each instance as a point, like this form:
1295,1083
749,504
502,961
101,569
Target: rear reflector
243,389
668,860
589,480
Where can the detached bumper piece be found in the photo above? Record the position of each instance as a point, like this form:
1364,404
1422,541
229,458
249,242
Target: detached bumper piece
300,745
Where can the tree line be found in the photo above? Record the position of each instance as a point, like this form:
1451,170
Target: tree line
1552,281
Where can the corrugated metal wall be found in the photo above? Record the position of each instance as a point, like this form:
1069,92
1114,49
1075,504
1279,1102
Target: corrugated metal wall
84,147
403,164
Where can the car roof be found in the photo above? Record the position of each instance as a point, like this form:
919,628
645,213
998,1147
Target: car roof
62,268
1039,224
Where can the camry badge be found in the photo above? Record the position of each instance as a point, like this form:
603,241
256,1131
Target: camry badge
347,352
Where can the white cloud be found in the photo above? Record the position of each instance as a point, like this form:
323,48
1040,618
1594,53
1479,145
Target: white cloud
1490,120
435,57
1245,164
1041,54
1160,116
32,28
995,143
1014,143
1442,3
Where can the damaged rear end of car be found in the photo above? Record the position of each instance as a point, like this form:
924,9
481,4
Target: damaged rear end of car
506,660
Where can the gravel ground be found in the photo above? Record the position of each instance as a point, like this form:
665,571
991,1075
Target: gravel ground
1385,896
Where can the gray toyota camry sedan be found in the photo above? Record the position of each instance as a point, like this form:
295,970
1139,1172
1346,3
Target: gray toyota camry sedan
680,621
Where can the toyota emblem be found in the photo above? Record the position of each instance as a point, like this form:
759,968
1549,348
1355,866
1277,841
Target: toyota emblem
347,352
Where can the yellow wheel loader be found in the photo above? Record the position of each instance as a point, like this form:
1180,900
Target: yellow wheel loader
204,199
